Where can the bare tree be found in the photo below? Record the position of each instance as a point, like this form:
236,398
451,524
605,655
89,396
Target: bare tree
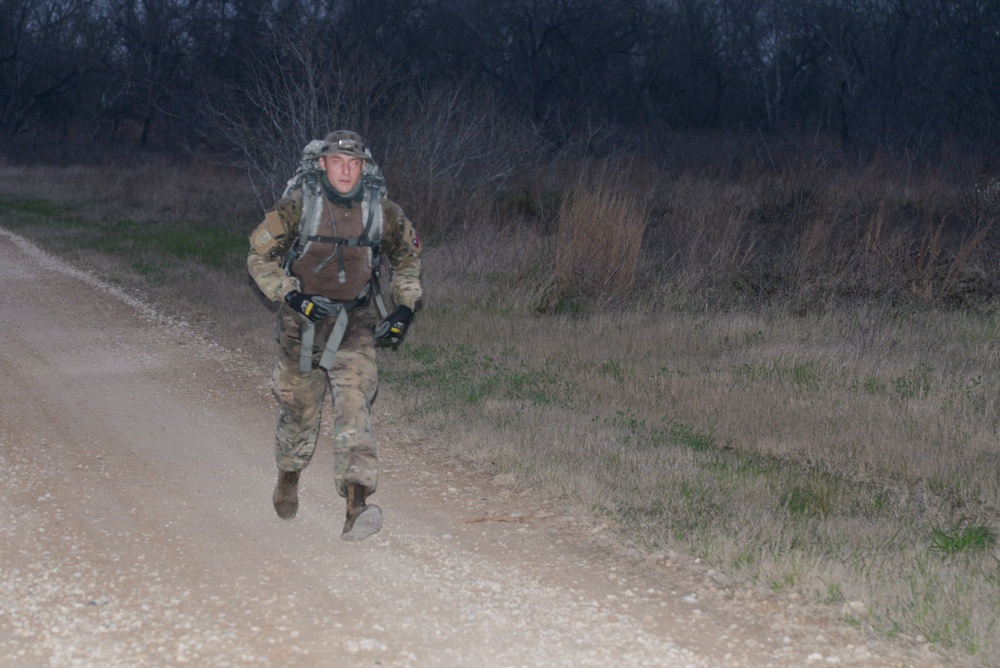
301,83
42,54
150,61
902,72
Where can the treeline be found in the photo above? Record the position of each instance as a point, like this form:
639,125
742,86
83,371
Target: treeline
913,74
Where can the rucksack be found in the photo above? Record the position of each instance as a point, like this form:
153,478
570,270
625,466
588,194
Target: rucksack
308,177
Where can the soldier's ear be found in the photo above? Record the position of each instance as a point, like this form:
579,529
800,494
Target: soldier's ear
322,162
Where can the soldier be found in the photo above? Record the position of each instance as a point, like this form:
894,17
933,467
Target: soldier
317,252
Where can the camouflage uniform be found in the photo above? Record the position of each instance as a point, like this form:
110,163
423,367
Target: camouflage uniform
353,377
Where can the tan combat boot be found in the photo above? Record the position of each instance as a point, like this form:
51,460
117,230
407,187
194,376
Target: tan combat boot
286,494
362,520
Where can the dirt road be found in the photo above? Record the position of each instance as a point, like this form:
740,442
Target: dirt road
136,528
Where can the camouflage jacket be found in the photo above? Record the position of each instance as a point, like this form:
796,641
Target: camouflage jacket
399,243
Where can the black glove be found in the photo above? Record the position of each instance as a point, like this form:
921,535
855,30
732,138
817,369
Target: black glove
390,332
313,307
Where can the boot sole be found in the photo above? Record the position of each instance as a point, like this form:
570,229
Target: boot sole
365,524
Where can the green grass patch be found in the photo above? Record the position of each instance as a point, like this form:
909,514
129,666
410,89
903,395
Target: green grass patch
799,374
963,537
814,494
43,209
613,369
150,247
639,432
460,374
918,383
210,247
874,386
690,437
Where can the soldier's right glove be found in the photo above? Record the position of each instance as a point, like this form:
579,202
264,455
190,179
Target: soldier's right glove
313,307
390,332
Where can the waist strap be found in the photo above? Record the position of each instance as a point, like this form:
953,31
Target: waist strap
308,339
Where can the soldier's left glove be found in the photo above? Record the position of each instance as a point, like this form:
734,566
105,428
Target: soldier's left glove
390,332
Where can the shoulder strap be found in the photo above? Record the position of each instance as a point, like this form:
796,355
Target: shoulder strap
306,179
371,206
312,212
371,212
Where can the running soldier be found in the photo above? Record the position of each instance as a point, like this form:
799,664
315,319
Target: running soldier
318,253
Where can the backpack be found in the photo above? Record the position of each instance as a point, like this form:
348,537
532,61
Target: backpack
308,178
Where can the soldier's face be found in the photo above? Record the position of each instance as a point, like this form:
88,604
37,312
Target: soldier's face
343,171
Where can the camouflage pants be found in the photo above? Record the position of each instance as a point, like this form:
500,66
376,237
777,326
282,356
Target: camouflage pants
353,381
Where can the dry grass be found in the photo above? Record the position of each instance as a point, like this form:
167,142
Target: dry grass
818,454
601,225
815,236
155,190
